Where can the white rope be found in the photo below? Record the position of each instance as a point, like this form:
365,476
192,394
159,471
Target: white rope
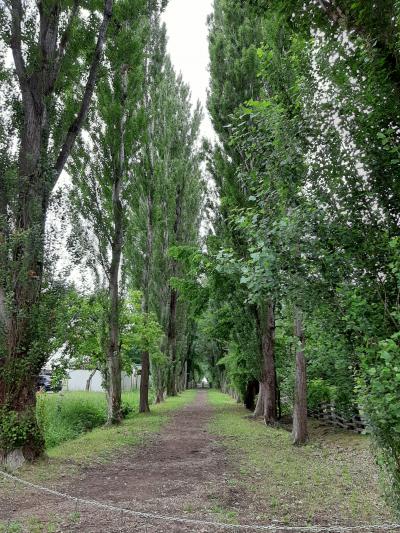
152,516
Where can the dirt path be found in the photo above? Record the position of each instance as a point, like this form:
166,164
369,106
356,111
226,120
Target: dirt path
184,471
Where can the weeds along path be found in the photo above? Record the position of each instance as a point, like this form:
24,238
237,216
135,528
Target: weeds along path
182,471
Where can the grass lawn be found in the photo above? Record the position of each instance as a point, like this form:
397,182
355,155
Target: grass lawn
331,480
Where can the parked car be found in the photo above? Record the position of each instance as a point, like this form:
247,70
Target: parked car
44,383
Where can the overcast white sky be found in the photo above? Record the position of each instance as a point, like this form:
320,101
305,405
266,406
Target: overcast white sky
186,22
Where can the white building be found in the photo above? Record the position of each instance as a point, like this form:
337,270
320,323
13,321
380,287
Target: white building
78,378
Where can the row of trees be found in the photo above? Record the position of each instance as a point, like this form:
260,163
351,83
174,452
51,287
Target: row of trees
93,94
303,264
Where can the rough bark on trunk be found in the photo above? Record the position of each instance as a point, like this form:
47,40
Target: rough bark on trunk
300,430
37,176
267,395
145,379
185,376
160,396
159,385
278,397
23,403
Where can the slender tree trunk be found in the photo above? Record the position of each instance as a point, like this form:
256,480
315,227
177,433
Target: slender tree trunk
114,356
185,376
173,300
159,385
267,394
171,343
145,379
89,379
160,396
278,397
300,430
144,384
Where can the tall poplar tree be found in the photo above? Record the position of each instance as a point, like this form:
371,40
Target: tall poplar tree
56,55
168,205
236,33
105,183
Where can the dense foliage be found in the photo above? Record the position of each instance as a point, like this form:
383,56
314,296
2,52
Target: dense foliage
303,261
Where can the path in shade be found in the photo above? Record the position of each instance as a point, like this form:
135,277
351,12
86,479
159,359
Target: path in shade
183,471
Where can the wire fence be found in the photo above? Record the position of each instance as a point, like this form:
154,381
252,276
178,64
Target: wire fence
152,517
328,414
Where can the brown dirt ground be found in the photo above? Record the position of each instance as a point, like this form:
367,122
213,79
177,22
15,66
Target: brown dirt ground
184,471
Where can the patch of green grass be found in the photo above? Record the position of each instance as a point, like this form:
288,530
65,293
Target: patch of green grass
333,478
66,415
30,524
74,517
188,508
11,527
34,525
225,515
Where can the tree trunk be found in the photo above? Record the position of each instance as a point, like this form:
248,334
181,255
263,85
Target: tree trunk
300,430
173,300
145,379
21,363
278,397
160,396
171,343
114,356
159,385
89,380
149,191
144,384
21,402
145,358
266,326
259,409
250,394
185,376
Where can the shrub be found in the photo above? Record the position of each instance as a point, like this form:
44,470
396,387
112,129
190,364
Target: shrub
319,392
380,393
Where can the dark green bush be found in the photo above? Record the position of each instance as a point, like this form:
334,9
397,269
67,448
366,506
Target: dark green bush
319,392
